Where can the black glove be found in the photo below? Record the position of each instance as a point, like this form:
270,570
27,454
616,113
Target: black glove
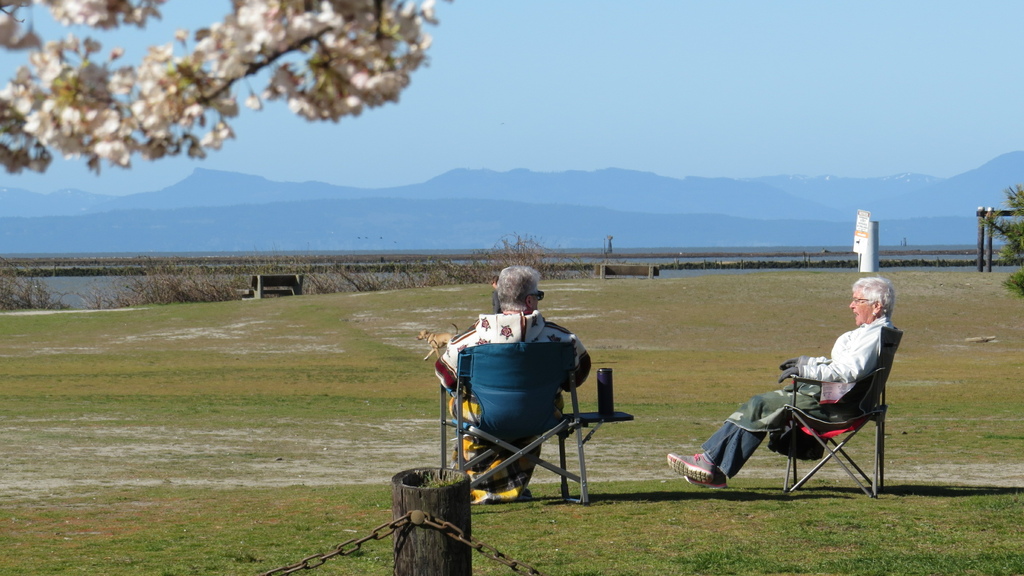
790,372
798,361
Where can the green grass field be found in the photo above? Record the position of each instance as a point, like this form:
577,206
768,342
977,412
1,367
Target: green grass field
234,438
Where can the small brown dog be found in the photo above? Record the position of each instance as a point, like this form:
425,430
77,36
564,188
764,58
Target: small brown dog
437,340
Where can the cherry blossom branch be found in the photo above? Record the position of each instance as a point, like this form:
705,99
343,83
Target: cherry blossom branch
327,60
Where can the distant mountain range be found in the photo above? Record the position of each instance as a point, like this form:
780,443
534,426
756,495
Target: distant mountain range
213,211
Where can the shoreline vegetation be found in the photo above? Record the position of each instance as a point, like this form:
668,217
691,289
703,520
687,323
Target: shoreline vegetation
139,280
568,261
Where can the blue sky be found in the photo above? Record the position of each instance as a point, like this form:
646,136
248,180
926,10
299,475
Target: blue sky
676,87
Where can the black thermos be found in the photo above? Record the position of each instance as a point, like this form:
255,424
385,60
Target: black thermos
605,395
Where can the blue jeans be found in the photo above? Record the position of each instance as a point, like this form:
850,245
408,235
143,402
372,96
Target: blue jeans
731,447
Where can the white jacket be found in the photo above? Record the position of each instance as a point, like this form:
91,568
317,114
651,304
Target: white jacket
854,355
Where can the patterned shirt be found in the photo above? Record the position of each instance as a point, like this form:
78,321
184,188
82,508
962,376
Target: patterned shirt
503,329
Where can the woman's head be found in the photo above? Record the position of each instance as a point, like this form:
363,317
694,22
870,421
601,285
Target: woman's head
515,285
873,297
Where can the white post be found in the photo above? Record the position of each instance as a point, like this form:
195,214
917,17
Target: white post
869,256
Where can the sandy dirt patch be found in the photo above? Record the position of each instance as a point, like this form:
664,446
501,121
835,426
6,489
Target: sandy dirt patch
50,458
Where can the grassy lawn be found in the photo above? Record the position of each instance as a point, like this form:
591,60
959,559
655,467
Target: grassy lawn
234,438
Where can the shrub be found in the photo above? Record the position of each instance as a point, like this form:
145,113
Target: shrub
172,283
516,250
25,293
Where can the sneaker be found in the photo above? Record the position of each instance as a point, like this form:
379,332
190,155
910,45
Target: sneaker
698,470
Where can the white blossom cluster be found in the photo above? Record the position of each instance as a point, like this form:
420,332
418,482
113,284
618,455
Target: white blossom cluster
326,58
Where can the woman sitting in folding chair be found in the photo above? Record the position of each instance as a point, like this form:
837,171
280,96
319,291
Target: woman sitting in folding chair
854,356
519,321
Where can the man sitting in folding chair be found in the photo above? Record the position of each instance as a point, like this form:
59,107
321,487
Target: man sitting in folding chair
520,321
854,356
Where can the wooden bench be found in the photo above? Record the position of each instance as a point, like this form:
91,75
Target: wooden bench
605,271
274,285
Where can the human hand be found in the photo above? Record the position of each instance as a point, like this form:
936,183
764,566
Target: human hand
790,372
797,362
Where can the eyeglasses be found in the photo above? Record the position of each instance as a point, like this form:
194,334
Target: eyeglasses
861,301
539,294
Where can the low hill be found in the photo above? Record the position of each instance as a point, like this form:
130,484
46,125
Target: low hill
223,211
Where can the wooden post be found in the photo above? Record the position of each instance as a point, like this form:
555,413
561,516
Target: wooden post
444,495
985,254
981,239
988,253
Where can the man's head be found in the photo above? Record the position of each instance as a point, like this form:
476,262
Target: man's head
517,289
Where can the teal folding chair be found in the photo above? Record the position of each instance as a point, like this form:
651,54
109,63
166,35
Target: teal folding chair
515,385
867,396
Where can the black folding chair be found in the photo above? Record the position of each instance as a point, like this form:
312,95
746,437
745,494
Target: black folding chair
868,394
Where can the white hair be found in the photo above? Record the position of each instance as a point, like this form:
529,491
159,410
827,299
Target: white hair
877,289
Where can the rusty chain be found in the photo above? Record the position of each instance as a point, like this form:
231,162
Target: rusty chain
416,518
317,560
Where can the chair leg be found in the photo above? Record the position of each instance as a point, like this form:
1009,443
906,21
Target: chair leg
562,462
833,450
444,444
460,456
584,487
846,462
879,455
811,472
850,461
790,464
444,433
516,452
575,430
563,431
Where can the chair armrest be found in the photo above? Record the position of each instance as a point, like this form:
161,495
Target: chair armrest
587,418
831,392
797,381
